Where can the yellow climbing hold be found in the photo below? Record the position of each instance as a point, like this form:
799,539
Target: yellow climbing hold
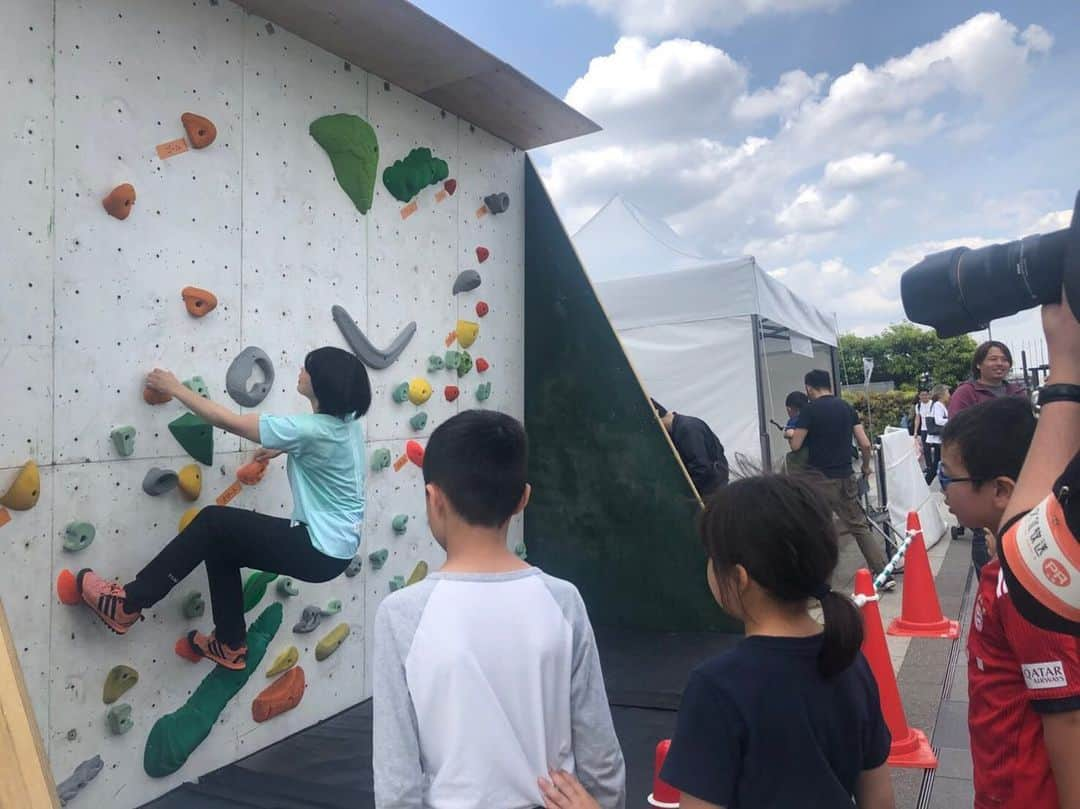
187,517
419,390
191,481
117,682
330,643
418,574
24,492
467,332
284,661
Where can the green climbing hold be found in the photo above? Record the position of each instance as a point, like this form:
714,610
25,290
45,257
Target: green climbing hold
465,365
408,177
353,149
117,682
519,550
380,459
120,719
401,393
397,583
400,523
452,360
198,385
331,642
195,436
175,736
123,439
193,605
483,392
378,558
333,607
419,421
78,535
255,588
435,363
287,588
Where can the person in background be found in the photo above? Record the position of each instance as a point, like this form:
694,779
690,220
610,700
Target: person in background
990,368
700,450
795,402
936,419
922,411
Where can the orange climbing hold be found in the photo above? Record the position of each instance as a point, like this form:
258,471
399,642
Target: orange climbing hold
153,397
251,473
185,650
120,201
200,131
199,302
67,588
280,696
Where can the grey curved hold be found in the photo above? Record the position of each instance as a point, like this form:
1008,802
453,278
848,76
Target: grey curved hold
372,357
467,281
497,203
309,620
158,481
83,775
236,378
355,566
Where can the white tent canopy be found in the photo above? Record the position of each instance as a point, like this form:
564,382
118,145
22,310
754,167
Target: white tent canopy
715,338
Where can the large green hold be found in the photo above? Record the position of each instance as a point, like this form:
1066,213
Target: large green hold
353,149
175,736
407,178
195,436
255,588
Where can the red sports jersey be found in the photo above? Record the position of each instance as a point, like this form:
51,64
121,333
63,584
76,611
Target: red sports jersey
1015,672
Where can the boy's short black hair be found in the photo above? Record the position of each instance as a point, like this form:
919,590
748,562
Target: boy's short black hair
479,459
818,380
797,399
992,437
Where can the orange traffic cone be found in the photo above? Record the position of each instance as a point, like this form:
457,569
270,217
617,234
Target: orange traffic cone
663,794
920,615
910,747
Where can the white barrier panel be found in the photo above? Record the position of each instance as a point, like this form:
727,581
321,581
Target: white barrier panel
906,487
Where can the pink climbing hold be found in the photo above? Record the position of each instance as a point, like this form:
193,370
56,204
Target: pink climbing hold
482,254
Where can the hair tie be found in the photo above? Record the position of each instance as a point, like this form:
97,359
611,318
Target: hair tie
821,592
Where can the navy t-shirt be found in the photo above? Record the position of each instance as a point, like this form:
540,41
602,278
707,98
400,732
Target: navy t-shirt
829,421
759,727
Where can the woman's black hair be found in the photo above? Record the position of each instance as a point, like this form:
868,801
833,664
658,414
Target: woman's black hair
983,350
780,529
339,381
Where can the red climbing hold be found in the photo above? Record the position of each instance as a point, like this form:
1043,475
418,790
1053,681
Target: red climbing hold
199,302
451,392
482,308
251,473
481,365
120,201
450,186
482,254
280,696
67,588
415,453
184,649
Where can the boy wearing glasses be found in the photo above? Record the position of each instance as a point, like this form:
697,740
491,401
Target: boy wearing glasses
1023,682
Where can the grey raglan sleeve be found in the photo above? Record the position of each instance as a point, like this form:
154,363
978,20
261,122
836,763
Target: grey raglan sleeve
597,755
399,779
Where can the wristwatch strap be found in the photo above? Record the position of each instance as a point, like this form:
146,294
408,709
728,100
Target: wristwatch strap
1061,392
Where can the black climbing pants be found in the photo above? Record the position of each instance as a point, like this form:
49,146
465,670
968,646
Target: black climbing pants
227,539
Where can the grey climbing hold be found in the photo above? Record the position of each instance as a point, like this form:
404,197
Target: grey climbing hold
158,481
419,421
497,203
309,620
401,393
453,360
371,356
333,607
287,588
120,719
397,583
193,605
435,363
355,566
236,378
467,281
77,781
380,459
198,385
400,523
378,558
123,439
78,535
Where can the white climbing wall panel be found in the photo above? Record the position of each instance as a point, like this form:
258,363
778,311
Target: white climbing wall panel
91,303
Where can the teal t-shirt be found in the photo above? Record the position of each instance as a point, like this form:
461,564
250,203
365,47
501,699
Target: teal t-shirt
326,474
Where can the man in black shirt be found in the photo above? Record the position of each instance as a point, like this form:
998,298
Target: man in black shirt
826,426
701,451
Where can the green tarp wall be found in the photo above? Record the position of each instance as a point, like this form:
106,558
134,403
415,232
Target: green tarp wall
612,508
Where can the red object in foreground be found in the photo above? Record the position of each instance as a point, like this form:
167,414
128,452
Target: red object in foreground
663,794
920,615
910,747
67,588
415,453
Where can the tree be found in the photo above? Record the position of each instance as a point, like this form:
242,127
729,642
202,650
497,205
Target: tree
904,353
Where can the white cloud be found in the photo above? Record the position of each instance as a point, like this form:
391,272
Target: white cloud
809,211
663,17
794,87
863,169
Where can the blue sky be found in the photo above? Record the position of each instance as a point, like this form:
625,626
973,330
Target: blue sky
963,124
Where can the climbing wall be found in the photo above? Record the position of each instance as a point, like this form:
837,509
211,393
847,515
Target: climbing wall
258,218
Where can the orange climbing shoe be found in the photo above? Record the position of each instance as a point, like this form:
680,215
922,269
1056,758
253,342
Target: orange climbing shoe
211,648
107,600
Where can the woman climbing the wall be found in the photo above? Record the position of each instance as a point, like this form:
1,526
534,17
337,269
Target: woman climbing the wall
326,475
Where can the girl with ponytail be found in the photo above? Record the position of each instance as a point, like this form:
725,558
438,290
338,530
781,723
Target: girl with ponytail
326,474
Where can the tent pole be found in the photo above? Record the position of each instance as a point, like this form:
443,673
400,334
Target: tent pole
835,362
759,347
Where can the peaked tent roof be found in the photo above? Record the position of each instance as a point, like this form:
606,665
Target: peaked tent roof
646,274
